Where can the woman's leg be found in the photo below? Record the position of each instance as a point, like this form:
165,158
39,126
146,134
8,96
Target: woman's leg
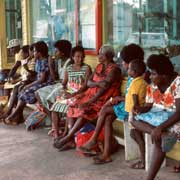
77,126
17,115
157,160
12,102
55,124
108,137
106,110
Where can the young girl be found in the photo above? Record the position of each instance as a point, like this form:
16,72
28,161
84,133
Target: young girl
75,81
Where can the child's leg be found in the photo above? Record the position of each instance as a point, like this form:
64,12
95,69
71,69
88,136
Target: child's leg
138,137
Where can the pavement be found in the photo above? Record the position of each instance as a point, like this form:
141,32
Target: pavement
30,156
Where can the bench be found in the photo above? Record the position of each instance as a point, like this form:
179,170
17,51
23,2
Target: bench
131,147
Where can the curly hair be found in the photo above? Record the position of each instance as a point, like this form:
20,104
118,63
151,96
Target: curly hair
64,46
42,48
131,52
161,64
78,49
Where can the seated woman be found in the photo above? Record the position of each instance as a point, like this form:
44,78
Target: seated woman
57,69
160,117
27,76
114,108
27,94
75,82
103,84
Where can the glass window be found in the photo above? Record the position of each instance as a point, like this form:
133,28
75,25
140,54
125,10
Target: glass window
154,24
87,24
52,20
13,24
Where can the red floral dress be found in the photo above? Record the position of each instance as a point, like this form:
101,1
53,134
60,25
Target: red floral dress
165,100
91,112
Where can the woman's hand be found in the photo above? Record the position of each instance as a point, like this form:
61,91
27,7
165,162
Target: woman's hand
156,135
67,95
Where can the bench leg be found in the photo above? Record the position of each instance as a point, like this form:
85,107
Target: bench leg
149,150
131,147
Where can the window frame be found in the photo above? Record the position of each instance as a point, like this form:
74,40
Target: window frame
98,26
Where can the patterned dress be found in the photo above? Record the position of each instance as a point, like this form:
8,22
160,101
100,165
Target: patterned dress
75,81
163,105
28,96
49,93
91,112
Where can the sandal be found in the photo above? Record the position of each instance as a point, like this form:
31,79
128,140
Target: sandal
86,151
138,165
99,160
68,146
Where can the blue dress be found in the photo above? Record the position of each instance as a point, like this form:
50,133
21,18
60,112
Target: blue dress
28,96
119,109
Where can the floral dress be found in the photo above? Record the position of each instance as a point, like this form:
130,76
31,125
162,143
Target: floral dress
91,112
28,96
163,105
76,80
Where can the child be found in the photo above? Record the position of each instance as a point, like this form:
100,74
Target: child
137,90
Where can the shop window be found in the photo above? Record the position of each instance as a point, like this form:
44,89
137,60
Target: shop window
75,20
52,20
154,24
13,24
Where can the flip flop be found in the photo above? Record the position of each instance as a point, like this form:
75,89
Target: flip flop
138,165
98,160
86,151
67,146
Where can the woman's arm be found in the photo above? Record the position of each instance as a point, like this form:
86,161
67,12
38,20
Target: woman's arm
107,84
65,80
52,68
41,80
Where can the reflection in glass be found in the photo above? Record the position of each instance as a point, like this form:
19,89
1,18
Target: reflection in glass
87,35
13,24
52,20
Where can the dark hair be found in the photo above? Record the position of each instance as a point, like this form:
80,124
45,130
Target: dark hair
42,48
161,64
138,66
78,49
31,47
64,46
131,52
25,49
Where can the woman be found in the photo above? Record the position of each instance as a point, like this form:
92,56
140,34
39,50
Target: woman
160,115
114,108
74,83
103,84
57,68
27,95
27,71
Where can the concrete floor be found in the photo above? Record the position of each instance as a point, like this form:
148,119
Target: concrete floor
30,156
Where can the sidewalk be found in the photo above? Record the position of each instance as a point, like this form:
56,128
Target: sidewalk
30,156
